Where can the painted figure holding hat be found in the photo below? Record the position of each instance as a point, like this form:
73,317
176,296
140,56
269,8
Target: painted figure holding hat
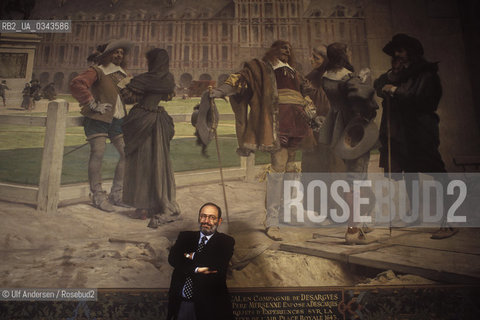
414,90
349,127
98,94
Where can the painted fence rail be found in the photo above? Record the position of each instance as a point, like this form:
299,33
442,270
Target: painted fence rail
50,194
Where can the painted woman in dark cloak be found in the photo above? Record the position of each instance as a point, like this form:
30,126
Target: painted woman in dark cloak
149,184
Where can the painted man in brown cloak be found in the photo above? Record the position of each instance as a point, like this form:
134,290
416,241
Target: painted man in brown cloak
268,99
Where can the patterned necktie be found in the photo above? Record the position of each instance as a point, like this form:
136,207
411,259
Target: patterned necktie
202,244
188,288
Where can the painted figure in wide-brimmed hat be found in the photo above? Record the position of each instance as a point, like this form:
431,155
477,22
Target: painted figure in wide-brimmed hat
98,94
414,90
349,129
149,184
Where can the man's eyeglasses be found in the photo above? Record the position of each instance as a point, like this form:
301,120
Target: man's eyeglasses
208,217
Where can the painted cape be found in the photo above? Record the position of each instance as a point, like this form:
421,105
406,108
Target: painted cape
149,182
257,129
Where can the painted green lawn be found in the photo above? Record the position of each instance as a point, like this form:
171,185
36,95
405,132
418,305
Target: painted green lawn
19,137
21,149
23,165
176,105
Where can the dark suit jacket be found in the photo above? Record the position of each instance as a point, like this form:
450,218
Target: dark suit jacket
210,293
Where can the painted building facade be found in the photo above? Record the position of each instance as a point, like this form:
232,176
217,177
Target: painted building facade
204,42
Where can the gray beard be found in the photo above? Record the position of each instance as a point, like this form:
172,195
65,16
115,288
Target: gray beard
209,232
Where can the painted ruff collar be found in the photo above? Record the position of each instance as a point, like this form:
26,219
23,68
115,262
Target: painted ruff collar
112,68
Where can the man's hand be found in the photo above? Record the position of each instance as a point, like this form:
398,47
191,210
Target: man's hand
319,121
205,270
389,88
101,108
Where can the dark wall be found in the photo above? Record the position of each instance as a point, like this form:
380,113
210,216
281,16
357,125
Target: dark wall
470,22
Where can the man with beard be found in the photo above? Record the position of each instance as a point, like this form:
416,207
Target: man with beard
198,289
98,94
268,99
414,89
